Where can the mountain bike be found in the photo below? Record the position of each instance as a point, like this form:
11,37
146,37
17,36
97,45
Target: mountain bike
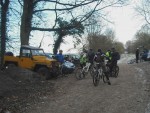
115,70
80,73
97,74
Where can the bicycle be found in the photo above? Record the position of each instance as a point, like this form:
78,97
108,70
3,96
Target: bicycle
115,70
80,73
98,74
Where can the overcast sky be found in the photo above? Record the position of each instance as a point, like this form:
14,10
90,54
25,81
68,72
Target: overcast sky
126,22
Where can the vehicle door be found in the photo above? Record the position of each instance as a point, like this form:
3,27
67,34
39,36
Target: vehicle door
26,59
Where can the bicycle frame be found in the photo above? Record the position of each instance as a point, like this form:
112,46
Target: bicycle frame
99,74
86,67
82,72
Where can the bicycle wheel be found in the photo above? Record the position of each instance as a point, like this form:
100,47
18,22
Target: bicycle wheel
96,78
92,71
108,70
79,73
113,73
116,71
104,78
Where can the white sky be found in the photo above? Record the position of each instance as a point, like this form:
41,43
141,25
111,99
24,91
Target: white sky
126,22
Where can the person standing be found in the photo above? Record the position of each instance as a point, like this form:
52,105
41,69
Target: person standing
60,57
137,55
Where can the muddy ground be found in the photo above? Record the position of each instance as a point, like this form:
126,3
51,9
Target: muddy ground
22,91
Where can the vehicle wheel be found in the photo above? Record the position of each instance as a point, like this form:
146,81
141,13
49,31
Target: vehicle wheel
10,66
96,79
44,72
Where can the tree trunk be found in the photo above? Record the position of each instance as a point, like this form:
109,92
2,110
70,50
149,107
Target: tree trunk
57,44
26,19
4,9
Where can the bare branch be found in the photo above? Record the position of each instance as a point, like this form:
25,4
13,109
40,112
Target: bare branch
55,15
64,9
20,3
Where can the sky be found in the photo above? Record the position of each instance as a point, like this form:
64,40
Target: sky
126,22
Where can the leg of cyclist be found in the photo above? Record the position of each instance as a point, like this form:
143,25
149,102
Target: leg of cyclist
106,73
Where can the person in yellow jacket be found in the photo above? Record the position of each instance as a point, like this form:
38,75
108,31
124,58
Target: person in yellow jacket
108,55
83,59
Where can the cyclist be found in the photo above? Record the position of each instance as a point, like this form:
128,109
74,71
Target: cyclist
108,55
114,55
90,56
100,58
83,59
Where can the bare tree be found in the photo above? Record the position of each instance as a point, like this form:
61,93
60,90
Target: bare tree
129,46
144,10
4,8
141,39
97,41
33,9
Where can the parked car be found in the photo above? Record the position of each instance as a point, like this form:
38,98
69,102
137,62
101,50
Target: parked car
34,59
68,66
49,55
74,58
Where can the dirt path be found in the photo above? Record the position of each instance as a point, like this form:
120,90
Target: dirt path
129,93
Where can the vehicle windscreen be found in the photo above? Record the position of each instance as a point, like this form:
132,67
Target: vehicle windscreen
37,52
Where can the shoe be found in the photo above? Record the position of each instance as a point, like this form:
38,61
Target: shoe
109,83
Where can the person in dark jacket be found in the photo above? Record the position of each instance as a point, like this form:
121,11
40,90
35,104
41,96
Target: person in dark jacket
100,58
114,55
137,55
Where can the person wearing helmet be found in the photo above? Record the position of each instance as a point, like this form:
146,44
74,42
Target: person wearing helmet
83,59
90,55
100,58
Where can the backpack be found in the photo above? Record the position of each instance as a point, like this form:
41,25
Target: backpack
117,56
99,58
